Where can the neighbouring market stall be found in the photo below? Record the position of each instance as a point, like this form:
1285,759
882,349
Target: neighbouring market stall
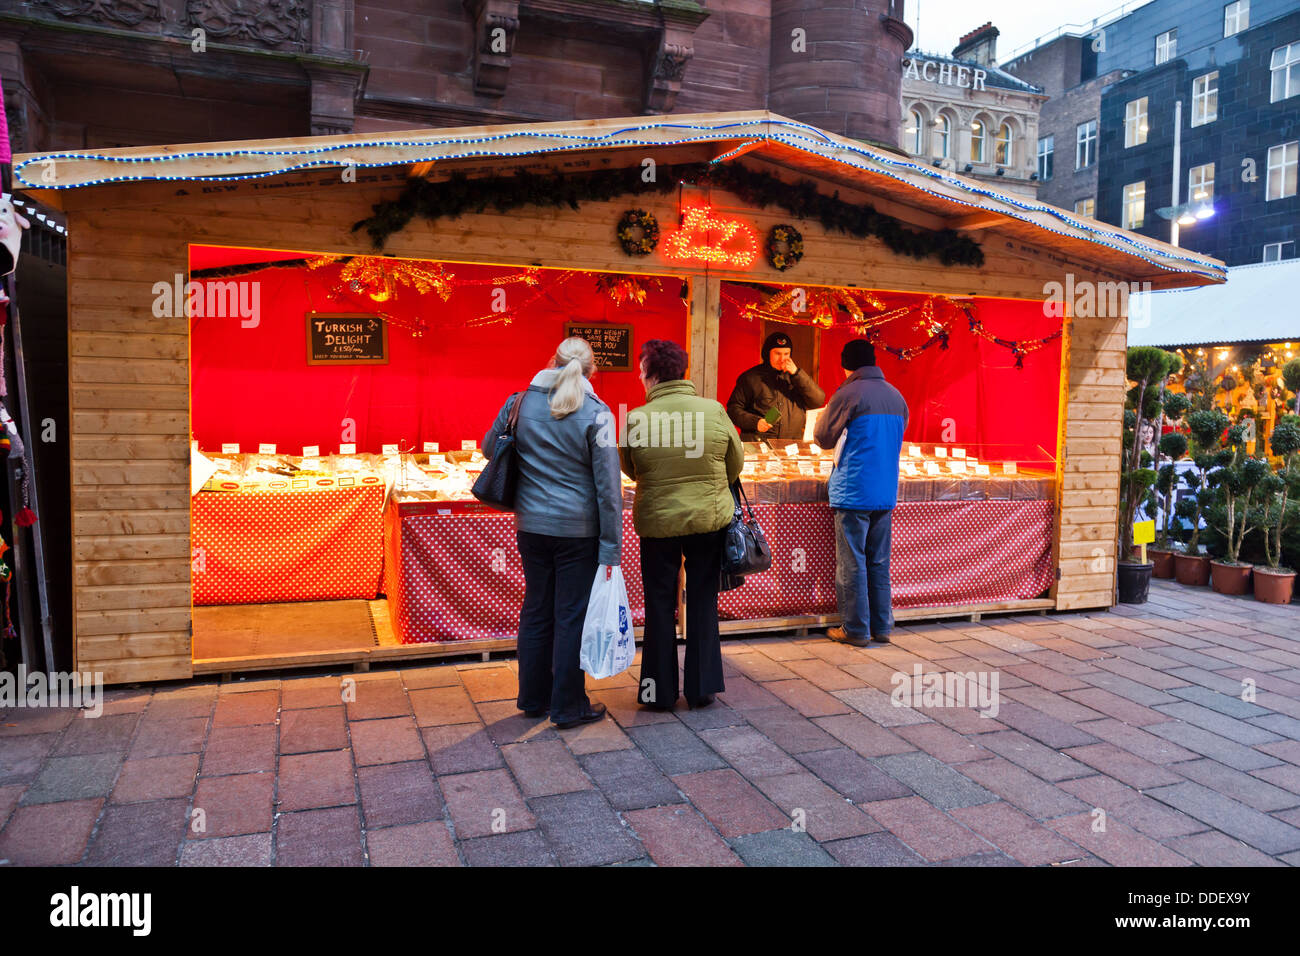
282,449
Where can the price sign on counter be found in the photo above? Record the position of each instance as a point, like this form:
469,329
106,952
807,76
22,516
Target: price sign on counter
310,464
959,453
1009,468
388,450
940,452
265,449
311,451
611,345
932,468
806,468
791,450
909,468
981,469
914,451
468,444
825,466
346,340
230,448
347,449
430,447
958,466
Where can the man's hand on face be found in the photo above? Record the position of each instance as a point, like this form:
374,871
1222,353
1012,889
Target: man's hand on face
782,361
789,366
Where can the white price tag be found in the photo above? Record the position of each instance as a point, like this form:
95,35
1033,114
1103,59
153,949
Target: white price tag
815,449
265,449
310,464
477,456
468,444
1009,468
940,452
914,451
791,450
826,466
981,469
749,468
388,450
348,449
806,468
430,447
774,467
230,448
958,466
959,453
932,468
311,451
909,469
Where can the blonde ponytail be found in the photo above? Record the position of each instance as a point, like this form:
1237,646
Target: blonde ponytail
574,360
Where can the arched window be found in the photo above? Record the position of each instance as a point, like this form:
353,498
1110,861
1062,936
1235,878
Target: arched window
1002,152
943,133
916,141
978,136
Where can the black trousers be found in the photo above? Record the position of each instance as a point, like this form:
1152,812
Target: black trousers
660,560
558,573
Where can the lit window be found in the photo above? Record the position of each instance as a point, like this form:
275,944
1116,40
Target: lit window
1002,150
1205,99
1135,123
1046,150
1236,17
944,127
1166,46
1085,144
978,134
1286,71
1135,205
1282,170
1086,207
1200,183
916,142
1277,251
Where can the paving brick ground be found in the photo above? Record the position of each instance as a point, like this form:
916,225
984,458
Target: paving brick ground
1121,738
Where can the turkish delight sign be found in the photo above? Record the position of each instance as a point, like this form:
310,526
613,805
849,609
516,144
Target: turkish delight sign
346,339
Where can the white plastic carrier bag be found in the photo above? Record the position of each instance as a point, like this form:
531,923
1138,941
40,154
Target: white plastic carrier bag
608,644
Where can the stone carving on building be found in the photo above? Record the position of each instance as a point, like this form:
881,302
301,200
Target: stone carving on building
495,24
271,23
126,12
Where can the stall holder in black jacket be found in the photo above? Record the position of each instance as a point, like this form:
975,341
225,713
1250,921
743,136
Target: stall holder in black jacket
763,387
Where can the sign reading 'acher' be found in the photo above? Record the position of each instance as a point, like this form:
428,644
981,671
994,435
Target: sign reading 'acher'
944,74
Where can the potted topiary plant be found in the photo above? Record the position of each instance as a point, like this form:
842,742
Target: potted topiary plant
1172,446
1274,584
1147,368
1235,483
1291,379
1191,566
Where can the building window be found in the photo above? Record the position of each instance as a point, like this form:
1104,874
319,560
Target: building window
945,136
1085,144
1046,150
1135,123
1166,46
1002,148
1286,71
1200,183
1086,207
1236,17
1282,170
1277,251
917,129
1205,99
978,134
1135,205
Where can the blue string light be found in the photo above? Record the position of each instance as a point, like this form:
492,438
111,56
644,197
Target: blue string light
798,136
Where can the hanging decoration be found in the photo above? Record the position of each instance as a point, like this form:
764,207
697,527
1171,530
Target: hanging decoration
459,195
379,278
709,237
784,247
1018,348
638,232
622,289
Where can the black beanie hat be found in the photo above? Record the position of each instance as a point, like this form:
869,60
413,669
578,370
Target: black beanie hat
856,354
777,340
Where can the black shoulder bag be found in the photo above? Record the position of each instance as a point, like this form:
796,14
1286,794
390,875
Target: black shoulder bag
745,550
495,485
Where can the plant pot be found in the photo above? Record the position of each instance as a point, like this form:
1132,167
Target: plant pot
1163,561
1273,586
1192,569
1229,578
1134,582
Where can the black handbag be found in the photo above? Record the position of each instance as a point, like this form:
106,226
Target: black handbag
744,550
495,485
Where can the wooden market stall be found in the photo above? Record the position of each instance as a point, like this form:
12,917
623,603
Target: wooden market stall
135,215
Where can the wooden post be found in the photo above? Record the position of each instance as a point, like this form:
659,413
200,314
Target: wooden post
706,320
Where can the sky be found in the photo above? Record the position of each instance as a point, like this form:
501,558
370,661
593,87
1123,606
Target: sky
943,22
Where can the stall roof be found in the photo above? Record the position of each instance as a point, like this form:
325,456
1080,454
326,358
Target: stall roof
949,200
1249,307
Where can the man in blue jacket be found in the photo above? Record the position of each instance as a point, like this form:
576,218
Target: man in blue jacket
868,415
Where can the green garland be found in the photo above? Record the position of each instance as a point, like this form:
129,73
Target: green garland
459,195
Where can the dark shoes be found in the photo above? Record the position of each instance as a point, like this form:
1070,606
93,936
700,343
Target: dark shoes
699,702
534,714
880,639
593,713
839,634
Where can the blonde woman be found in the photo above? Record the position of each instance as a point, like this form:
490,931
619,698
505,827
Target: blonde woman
568,521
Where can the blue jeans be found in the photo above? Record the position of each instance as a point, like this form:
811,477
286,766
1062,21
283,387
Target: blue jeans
862,571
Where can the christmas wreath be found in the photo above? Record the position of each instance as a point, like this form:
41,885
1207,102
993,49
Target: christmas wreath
784,247
635,220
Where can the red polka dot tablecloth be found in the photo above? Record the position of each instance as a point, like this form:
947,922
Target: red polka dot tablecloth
453,572
264,547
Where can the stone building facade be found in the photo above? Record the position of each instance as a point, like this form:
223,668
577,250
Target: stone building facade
168,71
964,114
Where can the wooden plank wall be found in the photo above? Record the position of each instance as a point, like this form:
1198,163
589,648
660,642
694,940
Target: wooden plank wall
129,369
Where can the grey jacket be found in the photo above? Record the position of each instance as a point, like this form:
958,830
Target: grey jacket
568,474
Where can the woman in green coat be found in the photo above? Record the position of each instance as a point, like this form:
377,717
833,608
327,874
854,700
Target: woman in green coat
683,452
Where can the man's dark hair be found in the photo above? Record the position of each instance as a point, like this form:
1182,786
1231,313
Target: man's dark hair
664,360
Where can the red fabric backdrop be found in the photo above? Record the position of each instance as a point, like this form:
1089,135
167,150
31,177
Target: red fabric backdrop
997,411
253,385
